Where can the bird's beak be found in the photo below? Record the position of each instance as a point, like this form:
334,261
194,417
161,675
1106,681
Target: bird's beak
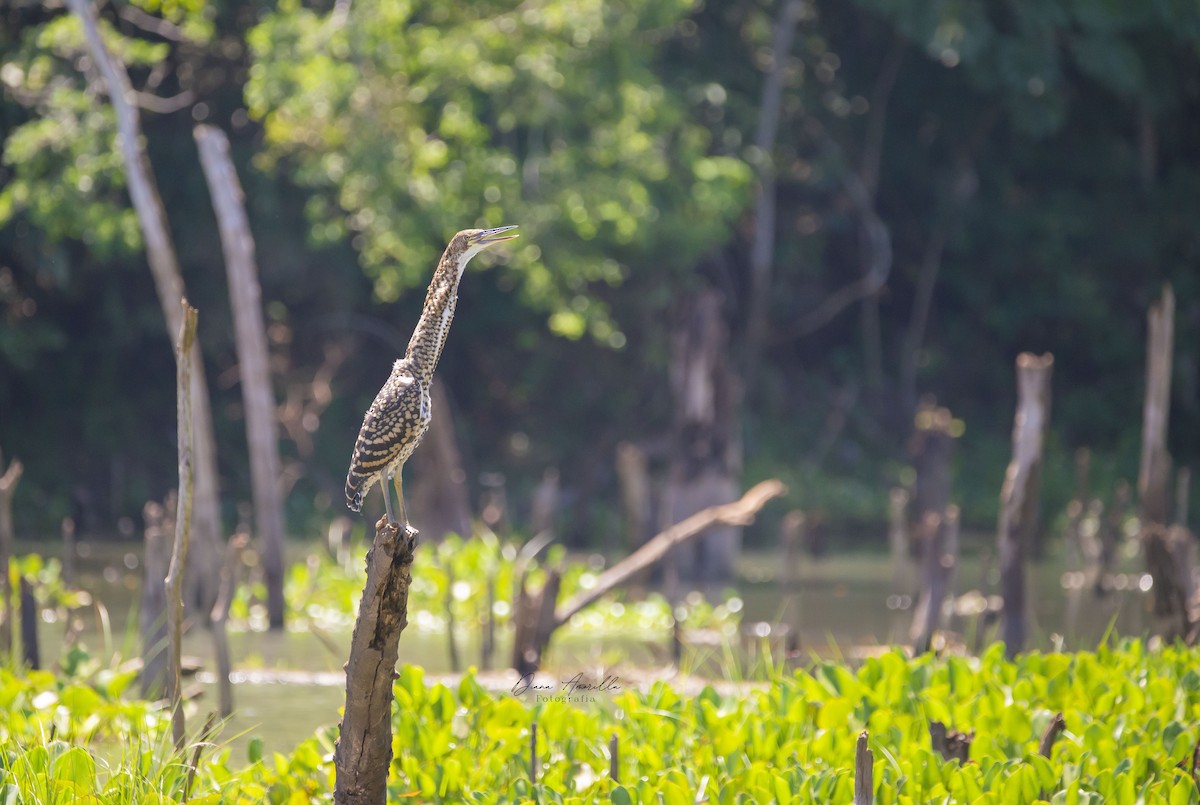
489,236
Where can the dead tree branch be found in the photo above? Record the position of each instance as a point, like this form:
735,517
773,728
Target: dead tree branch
740,512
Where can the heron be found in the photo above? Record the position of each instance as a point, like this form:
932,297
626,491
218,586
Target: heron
400,415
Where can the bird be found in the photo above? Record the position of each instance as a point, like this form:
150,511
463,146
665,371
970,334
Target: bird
398,418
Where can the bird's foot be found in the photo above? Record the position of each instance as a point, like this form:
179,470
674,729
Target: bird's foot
409,540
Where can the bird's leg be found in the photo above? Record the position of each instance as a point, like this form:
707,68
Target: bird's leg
387,498
398,480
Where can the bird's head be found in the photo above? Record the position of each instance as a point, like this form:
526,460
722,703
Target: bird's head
470,242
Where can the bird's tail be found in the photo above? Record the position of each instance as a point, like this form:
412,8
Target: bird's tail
355,489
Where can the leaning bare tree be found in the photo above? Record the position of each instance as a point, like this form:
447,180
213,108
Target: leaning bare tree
254,369
1020,495
168,281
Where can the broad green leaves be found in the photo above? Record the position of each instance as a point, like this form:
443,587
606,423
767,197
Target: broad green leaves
789,741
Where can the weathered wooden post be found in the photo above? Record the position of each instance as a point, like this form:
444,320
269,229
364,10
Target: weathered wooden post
1020,495
932,449
1154,471
364,746
864,771
1168,550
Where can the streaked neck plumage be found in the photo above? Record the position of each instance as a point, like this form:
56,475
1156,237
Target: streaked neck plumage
425,346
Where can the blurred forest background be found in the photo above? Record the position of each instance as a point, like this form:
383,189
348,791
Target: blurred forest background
880,199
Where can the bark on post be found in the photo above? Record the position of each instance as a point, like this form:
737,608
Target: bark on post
1020,495
183,522
8,484
254,371
864,771
364,746
168,282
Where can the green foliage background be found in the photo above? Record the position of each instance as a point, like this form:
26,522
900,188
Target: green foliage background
620,137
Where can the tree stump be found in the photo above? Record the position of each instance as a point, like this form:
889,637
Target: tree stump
364,746
1020,495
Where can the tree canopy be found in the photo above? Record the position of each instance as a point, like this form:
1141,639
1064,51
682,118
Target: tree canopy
1019,176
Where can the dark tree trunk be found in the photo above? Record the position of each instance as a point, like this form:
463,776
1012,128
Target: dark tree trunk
439,498
1154,472
934,526
939,565
9,478
633,476
1169,550
707,448
29,626
1020,496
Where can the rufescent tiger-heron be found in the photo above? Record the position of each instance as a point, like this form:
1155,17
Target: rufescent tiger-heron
400,414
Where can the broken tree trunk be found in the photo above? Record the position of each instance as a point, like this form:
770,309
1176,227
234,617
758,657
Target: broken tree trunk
940,563
738,513
1168,550
1020,495
168,282
8,484
364,745
1154,471
932,451
706,459
183,521
254,371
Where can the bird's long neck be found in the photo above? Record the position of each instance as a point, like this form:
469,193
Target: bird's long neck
425,346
